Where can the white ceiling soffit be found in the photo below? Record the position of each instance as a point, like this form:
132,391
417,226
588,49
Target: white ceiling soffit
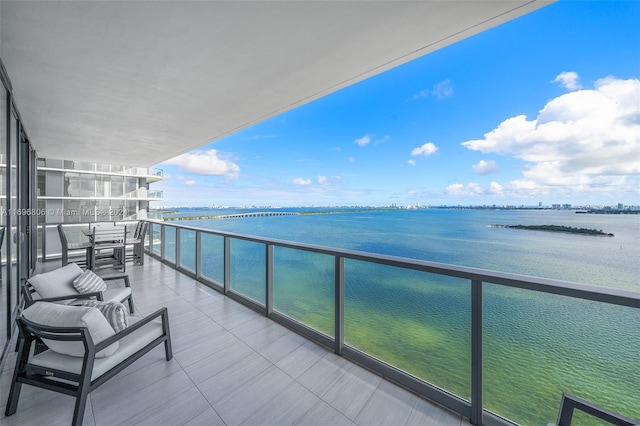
139,82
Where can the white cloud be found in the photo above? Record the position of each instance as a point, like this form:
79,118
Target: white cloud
352,160
485,167
588,141
205,163
495,188
458,189
189,182
412,162
363,141
443,89
440,90
322,180
568,80
473,189
426,149
301,181
421,94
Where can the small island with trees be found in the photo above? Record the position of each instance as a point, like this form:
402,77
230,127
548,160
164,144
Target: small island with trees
557,228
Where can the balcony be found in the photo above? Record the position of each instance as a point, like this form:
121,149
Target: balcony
155,175
155,195
288,343
231,365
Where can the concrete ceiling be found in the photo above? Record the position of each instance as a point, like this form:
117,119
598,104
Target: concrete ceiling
139,82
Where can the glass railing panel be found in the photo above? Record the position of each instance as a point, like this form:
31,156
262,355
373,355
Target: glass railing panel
248,273
53,245
537,346
304,288
415,321
169,243
213,258
188,249
155,234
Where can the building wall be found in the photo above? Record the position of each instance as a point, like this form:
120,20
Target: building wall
70,192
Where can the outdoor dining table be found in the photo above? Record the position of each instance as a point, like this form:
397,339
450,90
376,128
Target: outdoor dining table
107,238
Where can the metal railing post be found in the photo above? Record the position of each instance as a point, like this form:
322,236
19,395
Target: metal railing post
476,352
227,264
339,305
269,280
198,255
44,242
162,232
177,250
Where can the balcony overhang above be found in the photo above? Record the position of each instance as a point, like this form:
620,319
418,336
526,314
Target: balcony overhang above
136,83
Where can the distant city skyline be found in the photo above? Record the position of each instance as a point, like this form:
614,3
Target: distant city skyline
541,109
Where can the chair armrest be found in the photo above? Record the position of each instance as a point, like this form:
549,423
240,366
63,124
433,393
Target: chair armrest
160,313
124,277
96,294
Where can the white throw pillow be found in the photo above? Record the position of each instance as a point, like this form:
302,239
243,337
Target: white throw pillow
114,312
56,283
56,315
89,282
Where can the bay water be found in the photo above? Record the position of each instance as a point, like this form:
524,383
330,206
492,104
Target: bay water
536,345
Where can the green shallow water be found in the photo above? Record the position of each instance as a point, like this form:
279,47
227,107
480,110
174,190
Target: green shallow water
536,346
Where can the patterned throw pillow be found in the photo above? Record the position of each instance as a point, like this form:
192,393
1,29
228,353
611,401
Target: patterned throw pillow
114,312
89,282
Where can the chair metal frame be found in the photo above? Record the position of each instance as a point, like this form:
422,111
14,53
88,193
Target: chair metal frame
110,238
570,403
68,383
74,247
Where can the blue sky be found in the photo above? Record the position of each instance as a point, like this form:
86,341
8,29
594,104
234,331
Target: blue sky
545,108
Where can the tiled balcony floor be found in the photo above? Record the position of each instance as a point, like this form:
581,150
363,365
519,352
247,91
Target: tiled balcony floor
231,366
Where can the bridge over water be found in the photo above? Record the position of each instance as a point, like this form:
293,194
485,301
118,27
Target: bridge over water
255,214
234,215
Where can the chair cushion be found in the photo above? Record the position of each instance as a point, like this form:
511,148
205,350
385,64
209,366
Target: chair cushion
56,315
89,282
58,282
114,312
116,294
128,346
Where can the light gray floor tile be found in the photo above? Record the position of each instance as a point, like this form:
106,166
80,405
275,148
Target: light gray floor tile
241,404
123,406
207,418
285,408
281,347
301,359
323,414
389,405
255,325
43,407
161,412
324,374
265,336
352,391
219,361
425,413
227,381
201,348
